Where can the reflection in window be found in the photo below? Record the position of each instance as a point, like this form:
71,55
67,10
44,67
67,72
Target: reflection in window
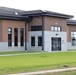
39,41
33,41
55,28
58,28
22,36
73,38
9,36
52,28
36,28
16,37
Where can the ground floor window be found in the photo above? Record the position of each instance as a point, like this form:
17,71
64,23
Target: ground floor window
73,38
9,36
15,36
33,41
22,36
39,41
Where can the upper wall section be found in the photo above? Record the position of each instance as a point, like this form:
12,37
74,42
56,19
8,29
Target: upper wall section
48,22
36,21
53,21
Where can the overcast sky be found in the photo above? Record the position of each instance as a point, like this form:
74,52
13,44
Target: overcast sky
61,6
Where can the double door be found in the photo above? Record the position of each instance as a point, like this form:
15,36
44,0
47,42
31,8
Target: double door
56,44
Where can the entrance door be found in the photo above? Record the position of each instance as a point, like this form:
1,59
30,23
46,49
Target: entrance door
56,44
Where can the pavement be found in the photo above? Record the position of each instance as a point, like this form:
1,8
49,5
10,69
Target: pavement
45,71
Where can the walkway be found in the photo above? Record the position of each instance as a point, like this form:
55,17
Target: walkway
46,71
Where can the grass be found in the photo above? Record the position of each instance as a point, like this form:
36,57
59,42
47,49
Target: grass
61,73
35,62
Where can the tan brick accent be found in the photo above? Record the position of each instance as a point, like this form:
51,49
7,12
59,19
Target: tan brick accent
0,30
13,24
35,22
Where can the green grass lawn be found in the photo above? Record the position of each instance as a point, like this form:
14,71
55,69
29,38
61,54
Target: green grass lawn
35,62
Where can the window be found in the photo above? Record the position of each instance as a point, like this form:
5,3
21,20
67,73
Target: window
9,36
36,28
40,41
32,41
55,28
73,38
16,37
22,36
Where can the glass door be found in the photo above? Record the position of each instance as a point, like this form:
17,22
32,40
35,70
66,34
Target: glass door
56,44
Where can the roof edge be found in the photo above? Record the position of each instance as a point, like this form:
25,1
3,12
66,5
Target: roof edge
71,22
47,13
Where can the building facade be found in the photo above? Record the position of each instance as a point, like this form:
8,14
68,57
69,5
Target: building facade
36,30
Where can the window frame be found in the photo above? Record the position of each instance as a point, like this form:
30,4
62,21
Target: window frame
10,32
15,37
21,37
73,36
39,42
32,42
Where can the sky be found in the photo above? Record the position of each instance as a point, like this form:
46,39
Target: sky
61,6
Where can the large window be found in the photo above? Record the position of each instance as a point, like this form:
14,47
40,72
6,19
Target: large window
16,37
32,41
55,28
22,36
36,28
39,41
9,36
73,38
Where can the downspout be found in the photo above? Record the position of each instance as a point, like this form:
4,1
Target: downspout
42,33
26,32
25,36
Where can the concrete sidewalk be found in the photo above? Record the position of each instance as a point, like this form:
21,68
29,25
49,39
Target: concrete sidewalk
45,71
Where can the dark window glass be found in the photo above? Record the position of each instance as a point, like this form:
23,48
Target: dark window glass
16,37
36,28
39,41
9,36
32,41
22,36
55,28
73,38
